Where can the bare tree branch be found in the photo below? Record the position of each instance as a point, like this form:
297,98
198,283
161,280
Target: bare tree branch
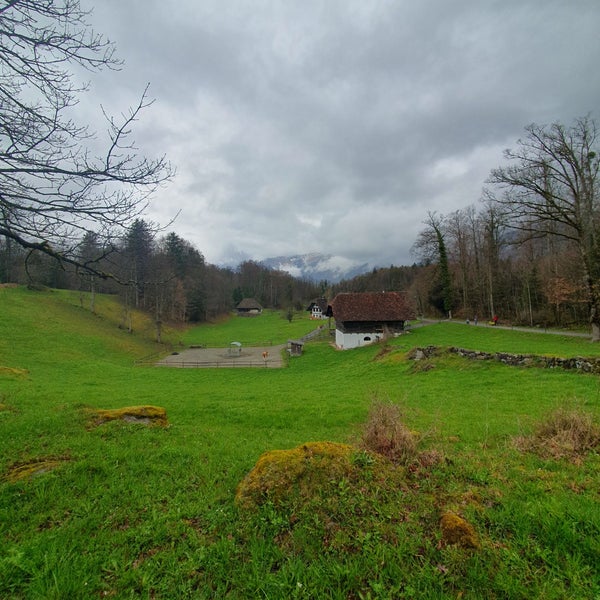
52,191
551,188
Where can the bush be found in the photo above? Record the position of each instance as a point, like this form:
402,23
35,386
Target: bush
564,433
385,433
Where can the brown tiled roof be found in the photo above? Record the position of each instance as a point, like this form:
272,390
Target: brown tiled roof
249,303
372,306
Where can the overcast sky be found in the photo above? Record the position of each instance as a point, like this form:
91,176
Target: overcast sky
334,126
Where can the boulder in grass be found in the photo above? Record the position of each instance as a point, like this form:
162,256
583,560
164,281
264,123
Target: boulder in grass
145,415
33,467
13,372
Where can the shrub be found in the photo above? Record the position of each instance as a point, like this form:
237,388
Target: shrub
564,433
385,433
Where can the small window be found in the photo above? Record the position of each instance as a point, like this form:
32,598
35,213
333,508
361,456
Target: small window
367,339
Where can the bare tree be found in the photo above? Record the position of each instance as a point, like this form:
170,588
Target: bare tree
431,245
551,189
460,250
491,223
53,188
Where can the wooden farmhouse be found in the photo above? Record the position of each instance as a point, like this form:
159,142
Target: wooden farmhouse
318,308
248,307
365,318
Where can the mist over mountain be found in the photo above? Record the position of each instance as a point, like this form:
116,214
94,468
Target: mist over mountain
317,267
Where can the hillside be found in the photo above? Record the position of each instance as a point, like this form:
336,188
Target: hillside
35,325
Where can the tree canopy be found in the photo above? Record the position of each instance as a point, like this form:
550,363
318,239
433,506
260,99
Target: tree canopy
549,189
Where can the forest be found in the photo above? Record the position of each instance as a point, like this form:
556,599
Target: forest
163,275
527,254
490,270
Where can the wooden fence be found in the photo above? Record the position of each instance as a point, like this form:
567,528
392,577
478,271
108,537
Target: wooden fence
190,364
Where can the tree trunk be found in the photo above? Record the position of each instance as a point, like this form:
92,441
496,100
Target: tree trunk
592,293
491,292
92,294
595,316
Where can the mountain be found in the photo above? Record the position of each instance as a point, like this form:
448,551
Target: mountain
317,267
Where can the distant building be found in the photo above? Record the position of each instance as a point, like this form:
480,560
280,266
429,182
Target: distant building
318,308
248,307
294,347
365,318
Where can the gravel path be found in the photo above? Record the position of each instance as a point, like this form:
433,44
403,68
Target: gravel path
249,356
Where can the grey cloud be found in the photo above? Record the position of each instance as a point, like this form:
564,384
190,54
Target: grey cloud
335,126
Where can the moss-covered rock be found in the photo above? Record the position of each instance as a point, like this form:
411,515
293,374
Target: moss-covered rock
146,415
32,468
457,532
307,472
326,497
13,372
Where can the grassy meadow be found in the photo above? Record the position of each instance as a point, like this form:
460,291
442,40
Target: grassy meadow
123,510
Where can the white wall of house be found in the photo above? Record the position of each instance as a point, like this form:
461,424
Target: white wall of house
346,341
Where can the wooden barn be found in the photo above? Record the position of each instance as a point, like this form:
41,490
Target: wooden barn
248,307
366,318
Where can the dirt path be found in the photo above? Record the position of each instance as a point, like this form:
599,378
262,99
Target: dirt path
425,322
251,356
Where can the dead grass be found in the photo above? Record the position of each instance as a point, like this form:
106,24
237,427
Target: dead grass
385,434
564,433
384,350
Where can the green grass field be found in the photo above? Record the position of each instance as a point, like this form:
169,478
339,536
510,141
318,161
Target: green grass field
272,327
123,510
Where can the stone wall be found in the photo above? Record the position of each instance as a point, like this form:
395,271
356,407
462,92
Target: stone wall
578,363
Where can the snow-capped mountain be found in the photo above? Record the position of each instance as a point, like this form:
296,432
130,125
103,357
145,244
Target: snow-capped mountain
317,267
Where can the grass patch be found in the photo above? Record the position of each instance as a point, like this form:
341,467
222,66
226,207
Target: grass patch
492,339
151,511
269,328
12,372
